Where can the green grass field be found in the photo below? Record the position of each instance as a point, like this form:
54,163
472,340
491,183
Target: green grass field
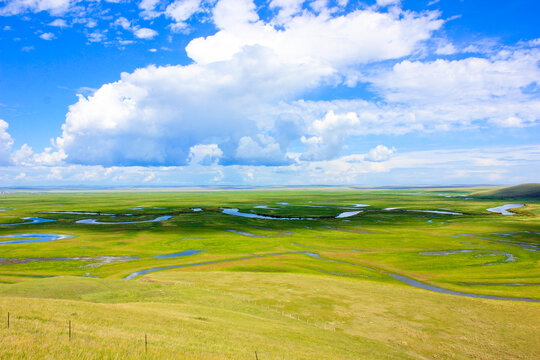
318,287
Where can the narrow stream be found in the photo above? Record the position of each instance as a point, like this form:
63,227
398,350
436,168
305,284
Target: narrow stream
503,209
94,221
421,285
32,238
33,220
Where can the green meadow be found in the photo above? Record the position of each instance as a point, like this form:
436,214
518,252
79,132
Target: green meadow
298,283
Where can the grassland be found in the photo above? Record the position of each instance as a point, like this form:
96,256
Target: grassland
288,289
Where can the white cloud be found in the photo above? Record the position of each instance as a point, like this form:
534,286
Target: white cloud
263,150
505,165
149,177
49,157
47,36
27,48
97,36
5,143
123,23
534,42
388,2
471,79
287,8
182,10
201,154
145,33
254,74
61,23
329,135
25,156
122,43
148,8
156,114
355,38
379,153
54,7
91,23
446,49
461,92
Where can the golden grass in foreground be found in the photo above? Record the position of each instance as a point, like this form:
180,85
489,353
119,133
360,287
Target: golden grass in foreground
227,315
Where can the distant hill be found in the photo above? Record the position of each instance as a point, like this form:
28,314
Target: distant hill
523,191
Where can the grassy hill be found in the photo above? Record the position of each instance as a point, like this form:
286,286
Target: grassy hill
523,191
218,315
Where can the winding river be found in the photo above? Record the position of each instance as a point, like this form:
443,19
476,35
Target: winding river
237,212
347,214
33,220
32,238
421,285
178,254
401,278
94,221
503,209
437,212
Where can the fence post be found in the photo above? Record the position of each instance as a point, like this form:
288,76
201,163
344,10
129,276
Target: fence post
256,357
145,344
8,320
69,330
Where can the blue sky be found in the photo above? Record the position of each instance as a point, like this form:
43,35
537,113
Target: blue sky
273,92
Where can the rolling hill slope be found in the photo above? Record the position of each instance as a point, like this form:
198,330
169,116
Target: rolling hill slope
523,191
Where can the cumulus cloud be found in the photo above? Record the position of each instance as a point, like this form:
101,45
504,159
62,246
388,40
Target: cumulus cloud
148,8
123,23
201,154
54,7
156,114
240,75
96,36
261,150
329,135
388,2
286,9
145,33
467,90
25,156
5,143
357,37
61,23
473,79
446,49
47,36
182,10
379,153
